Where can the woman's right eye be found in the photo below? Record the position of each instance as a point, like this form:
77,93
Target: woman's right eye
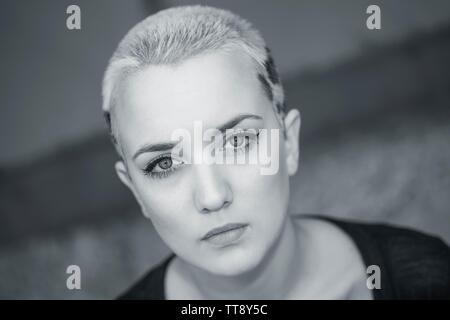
162,167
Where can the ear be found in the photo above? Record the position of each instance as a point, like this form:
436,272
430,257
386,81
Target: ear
292,123
122,173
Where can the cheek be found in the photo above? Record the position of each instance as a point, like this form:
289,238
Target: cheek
166,204
264,197
260,185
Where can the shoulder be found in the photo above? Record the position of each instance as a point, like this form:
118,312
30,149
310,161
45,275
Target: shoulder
419,263
150,286
416,265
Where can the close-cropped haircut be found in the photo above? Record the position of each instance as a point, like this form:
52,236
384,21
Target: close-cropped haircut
173,35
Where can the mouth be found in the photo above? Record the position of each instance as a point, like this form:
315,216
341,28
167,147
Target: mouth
226,234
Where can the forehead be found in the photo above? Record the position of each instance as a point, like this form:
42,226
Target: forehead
212,87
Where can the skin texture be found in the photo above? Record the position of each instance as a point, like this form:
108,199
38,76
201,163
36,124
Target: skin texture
194,199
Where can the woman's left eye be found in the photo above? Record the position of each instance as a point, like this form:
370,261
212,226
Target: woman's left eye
240,141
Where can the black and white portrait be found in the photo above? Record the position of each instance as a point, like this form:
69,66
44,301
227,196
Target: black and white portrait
225,150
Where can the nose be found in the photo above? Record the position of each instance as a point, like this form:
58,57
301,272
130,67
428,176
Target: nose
211,192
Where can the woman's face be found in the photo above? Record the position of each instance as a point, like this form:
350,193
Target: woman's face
186,201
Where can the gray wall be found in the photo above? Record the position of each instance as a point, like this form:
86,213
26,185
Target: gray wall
51,77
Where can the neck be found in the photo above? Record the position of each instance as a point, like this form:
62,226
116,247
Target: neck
271,279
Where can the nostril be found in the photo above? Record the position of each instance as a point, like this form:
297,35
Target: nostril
205,210
225,204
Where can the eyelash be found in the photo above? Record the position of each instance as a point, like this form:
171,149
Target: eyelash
148,170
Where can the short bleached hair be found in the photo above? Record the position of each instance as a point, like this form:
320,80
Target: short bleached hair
173,35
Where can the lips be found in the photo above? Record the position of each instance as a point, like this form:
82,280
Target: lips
225,234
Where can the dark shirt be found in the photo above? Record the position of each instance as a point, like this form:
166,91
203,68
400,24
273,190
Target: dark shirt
413,265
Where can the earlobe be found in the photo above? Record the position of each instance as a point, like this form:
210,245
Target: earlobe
292,123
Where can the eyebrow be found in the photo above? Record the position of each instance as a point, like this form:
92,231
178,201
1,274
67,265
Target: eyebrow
155,148
236,120
169,145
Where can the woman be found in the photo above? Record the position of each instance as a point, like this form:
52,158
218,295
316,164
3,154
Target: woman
221,206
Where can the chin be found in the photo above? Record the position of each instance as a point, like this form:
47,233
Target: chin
235,263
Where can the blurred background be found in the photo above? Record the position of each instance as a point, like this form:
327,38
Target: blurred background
375,140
